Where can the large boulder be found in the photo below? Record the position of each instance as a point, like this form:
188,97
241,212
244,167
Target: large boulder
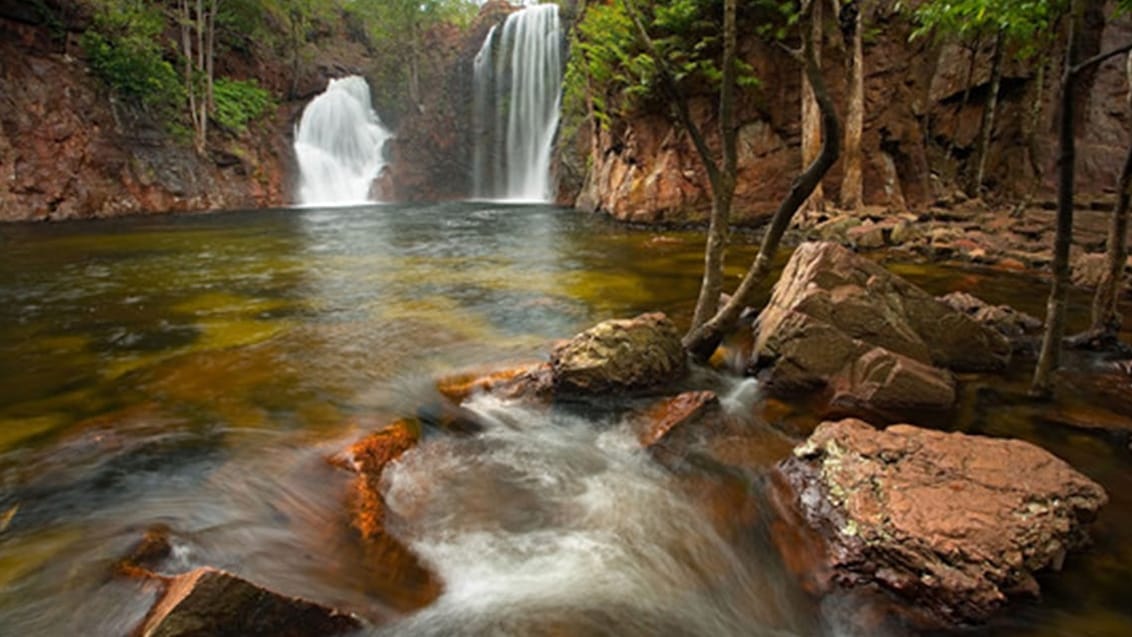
837,319
619,355
210,602
953,523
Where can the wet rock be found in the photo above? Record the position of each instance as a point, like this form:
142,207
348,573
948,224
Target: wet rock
684,410
831,308
619,355
214,603
145,556
371,455
953,523
1005,320
532,381
868,236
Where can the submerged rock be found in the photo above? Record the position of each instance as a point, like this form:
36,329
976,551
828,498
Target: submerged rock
667,417
837,319
619,355
951,522
531,381
213,603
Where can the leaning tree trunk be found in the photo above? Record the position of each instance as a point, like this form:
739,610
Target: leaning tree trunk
702,341
1050,357
1106,314
851,183
811,111
723,190
986,124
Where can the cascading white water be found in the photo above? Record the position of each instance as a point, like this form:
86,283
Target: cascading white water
518,86
339,144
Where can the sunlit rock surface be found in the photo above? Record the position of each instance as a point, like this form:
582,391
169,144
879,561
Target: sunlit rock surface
953,523
620,355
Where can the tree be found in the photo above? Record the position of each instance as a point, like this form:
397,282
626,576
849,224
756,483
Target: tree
811,113
1106,315
702,341
721,174
1049,358
197,21
852,183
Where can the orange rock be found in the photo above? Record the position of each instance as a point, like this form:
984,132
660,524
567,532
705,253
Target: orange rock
371,455
525,381
150,550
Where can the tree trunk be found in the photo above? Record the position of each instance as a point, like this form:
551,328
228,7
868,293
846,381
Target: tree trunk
986,125
811,114
702,342
723,192
1106,314
852,184
1050,357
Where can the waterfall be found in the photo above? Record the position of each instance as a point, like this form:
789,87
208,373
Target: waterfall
339,145
518,82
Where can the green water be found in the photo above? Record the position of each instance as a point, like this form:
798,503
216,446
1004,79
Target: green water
197,371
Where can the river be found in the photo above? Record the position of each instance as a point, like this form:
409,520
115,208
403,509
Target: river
196,372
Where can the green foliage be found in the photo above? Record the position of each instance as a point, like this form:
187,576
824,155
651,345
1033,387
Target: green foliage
1024,23
610,61
239,102
124,49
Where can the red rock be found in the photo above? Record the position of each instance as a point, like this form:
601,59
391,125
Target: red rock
210,603
680,411
154,546
950,522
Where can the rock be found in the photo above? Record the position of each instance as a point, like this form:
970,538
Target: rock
154,546
837,228
950,522
371,455
884,380
1005,320
619,355
1087,270
531,381
831,307
675,413
867,236
210,602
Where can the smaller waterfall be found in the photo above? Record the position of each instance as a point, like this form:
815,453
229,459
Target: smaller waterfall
518,85
339,145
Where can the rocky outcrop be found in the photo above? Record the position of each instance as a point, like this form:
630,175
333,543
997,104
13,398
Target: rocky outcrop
839,320
918,131
68,150
207,601
954,524
619,355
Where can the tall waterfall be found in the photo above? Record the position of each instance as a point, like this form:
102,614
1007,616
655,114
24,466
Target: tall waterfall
518,86
339,145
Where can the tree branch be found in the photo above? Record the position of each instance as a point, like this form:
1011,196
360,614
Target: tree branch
1100,57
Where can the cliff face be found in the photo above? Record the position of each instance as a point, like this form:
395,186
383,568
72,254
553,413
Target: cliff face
917,132
68,150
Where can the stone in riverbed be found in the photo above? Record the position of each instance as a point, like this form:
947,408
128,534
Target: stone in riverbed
371,455
665,418
619,355
831,312
951,522
208,602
